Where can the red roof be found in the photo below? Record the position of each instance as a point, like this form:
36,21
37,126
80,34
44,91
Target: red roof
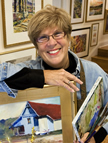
51,110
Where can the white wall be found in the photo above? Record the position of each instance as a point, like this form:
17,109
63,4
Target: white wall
103,39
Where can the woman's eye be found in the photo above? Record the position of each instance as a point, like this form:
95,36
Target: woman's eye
43,37
57,34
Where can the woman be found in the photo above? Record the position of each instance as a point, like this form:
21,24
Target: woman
50,32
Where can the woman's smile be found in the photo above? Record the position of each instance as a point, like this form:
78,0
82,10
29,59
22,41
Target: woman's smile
54,52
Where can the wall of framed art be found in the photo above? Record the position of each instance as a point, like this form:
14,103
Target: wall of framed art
90,14
82,18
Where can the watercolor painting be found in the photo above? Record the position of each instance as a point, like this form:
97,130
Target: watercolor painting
90,109
94,34
78,43
77,11
23,10
31,121
77,8
95,10
96,7
16,15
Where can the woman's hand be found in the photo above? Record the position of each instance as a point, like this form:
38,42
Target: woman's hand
83,139
61,78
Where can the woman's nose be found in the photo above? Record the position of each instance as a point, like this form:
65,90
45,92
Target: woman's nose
51,41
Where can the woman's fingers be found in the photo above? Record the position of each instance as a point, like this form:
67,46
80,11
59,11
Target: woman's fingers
61,78
83,139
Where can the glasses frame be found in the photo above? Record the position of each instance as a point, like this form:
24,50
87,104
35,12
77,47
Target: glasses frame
48,37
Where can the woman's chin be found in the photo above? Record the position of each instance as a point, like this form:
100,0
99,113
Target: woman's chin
55,65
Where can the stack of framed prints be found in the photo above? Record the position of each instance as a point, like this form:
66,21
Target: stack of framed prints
38,115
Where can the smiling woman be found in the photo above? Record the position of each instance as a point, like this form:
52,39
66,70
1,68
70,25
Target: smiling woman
50,32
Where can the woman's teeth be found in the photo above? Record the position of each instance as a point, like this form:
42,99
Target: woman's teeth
53,52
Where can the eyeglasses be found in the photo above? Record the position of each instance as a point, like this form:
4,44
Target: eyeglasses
57,35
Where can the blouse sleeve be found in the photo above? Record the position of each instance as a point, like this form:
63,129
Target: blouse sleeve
26,78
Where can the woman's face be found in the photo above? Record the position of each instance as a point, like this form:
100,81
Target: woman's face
54,52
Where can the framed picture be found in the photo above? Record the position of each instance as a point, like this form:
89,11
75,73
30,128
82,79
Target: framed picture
77,11
45,2
95,10
94,34
106,22
37,115
52,2
16,15
80,41
19,56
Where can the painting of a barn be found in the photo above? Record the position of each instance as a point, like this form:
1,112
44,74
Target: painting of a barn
43,117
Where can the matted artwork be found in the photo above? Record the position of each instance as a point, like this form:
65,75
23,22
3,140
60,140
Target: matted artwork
45,2
77,11
80,41
16,15
19,56
57,3
94,34
89,116
106,22
37,115
95,10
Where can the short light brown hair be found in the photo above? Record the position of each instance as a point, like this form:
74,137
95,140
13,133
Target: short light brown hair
49,16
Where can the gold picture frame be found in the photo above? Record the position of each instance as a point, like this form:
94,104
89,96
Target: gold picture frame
15,18
80,41
95,10
106,22
77,14
18,56
94,34
67,105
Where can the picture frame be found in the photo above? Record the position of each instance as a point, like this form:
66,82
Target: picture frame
39,96
52,2
106,22
77,11
94,34
80,41
95,10
45,2
18,56
15,18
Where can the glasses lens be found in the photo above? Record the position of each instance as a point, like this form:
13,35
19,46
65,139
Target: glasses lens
42,39
58,35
